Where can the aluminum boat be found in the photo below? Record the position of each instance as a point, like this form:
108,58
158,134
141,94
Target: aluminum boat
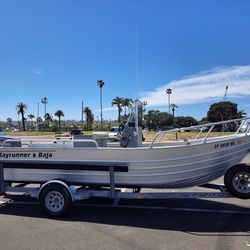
156,164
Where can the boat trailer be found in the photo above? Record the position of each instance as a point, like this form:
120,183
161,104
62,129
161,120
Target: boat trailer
56,196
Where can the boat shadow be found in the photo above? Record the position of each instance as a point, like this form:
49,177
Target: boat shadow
205,217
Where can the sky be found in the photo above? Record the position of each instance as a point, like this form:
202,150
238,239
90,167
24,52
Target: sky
59,49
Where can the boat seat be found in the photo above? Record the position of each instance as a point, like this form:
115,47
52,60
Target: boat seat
50,145
85,144
75,144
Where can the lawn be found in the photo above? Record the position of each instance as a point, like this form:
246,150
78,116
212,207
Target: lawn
173,136
149,136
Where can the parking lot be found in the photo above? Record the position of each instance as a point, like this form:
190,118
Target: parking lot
125,224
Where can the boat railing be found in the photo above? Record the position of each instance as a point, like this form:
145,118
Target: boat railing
244,121
40,142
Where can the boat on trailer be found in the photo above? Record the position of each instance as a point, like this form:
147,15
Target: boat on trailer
92,162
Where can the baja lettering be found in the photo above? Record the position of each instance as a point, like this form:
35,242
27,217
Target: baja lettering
45,155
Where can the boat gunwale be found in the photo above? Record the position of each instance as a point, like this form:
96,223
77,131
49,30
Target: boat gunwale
188,143
120,161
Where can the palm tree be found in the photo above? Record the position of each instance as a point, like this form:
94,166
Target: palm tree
59,113
89,117
118,101
31,117
48,118
9,121
127,103
100,84
45,102
21,108
39,119
152,119
39,122
173,107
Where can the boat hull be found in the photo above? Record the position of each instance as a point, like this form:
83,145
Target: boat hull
157,167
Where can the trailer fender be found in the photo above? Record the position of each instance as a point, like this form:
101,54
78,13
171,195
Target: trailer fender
71,190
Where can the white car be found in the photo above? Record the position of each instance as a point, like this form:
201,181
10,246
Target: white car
245,127
2,132
114,133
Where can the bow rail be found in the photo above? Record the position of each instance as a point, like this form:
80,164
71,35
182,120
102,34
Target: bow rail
200,128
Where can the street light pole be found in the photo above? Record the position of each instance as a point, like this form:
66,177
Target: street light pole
37,119
100,83
144,103
169,92
82,114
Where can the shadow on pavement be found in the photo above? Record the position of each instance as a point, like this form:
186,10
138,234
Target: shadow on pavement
223,220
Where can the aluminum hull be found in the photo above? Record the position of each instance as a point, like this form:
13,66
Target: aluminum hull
163,166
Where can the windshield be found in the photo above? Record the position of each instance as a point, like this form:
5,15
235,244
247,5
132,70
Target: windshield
114,129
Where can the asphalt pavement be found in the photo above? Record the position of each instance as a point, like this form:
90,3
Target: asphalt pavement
128,224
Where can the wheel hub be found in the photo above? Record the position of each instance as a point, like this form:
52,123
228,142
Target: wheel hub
241,182
54,201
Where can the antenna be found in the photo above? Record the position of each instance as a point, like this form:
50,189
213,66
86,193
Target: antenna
136,61
225,94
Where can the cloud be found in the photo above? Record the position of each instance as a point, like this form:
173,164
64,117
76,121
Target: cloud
107,109
203,87
37,71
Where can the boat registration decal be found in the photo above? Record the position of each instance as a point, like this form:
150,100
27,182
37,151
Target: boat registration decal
25,155
229,144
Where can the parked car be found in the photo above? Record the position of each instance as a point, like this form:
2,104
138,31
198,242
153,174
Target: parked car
245,127
114,133
76,132
204,129
2,132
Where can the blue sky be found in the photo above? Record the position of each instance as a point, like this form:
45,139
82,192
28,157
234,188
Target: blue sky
59,49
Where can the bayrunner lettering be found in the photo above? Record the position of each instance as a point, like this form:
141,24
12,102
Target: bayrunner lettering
14,155
44,155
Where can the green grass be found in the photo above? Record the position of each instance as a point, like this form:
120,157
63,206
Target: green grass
183,135
30,133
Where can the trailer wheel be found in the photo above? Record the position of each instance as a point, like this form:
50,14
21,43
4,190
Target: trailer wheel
237,181
55,200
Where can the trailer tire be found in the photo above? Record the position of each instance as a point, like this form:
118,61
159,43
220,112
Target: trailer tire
237,181
55,200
